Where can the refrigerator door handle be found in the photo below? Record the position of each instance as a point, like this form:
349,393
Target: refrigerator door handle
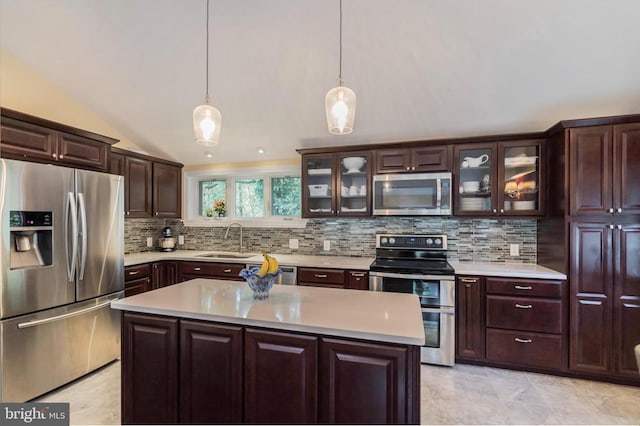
71,209
64,316
83,234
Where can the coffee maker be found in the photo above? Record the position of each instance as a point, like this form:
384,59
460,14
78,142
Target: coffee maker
168,241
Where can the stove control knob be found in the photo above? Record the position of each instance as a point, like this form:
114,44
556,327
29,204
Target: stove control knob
429,241
383,240
392,240
438,241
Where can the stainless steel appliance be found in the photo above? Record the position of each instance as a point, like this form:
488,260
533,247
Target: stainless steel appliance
61,265
413,194
417,264
289,275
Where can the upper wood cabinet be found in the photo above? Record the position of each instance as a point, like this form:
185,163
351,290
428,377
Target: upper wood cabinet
336,184
29,138
152,188
604,169
418,159
502,178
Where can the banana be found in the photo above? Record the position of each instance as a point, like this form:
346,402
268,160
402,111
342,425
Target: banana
264,267
273,265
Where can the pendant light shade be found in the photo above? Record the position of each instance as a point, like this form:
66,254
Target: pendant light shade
340,102
207,120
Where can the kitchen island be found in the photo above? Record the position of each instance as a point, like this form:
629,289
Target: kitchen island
204,351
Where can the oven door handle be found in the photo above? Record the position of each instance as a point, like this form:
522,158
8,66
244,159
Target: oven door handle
411,276
444,311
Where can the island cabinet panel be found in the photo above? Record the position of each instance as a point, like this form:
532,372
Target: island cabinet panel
382,391
149,369
470,308
210,373
280,377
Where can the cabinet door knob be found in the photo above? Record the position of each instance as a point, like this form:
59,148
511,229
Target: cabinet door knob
519,340
61,156
413,168
495,211
619,209
501,210
54,155
408,168
619,226
610,226
611,210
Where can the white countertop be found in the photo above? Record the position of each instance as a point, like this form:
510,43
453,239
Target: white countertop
368,315
311,261
516,270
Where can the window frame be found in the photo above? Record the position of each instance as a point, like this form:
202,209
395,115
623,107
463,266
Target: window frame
191,199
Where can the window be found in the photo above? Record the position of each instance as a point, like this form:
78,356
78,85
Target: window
249,198
209,191
286,197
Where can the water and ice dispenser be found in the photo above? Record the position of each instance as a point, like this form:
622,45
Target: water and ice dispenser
31,236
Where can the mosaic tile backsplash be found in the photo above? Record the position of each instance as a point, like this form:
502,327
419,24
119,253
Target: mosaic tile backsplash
485,240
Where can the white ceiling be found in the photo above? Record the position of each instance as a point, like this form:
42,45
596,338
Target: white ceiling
421,69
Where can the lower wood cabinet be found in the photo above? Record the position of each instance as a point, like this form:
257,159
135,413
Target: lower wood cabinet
149,369
163,274
321,277
228,271
470,308
281,370
186,371
210,373
137,279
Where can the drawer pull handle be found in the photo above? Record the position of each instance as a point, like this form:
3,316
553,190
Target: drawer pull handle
519,340
469,280
321,275
519,306
134,272
522,287
196,269
355,274
226,271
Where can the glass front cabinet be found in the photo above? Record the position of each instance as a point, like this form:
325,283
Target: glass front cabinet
500,178
336,184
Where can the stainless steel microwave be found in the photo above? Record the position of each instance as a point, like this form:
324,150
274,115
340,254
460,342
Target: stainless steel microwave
412,194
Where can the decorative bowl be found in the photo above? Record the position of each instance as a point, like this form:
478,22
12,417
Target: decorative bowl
259,285
353,164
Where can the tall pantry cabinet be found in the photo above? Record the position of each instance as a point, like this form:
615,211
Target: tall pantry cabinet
592,233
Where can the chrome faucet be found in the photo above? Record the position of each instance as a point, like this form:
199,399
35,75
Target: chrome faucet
226,234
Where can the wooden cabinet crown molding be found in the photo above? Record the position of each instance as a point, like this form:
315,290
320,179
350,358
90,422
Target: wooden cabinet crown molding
121,151
21,116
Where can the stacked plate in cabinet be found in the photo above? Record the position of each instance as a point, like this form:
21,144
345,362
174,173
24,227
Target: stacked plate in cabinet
472,203
524,205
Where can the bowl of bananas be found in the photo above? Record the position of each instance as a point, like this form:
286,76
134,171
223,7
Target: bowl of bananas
262,278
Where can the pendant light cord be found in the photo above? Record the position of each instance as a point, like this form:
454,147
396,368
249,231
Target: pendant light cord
207,55
340,69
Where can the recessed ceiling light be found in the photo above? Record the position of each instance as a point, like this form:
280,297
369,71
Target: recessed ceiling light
260,150
208,154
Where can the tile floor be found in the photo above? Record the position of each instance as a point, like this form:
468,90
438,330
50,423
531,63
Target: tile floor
463,394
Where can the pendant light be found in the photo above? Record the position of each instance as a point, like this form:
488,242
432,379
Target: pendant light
206,118
340,102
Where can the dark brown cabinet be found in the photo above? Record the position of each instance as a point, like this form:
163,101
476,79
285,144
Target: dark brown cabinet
210,373
605,308
435,158
187,371
137,279
167,190
320,277
151,188
29,138
228,271
336,184
470,308
605,169
357,280
271,394
502,178
163,274
384,390
149,369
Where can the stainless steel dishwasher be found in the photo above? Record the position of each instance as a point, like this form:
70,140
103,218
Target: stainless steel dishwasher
289,275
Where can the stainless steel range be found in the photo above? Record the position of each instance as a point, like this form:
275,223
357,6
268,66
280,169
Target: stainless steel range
417,264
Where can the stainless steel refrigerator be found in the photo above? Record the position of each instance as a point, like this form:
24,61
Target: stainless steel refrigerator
61,265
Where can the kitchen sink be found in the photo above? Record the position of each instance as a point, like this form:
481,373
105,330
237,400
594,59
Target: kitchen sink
227,255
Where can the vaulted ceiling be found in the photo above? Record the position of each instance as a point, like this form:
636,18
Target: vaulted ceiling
421,69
